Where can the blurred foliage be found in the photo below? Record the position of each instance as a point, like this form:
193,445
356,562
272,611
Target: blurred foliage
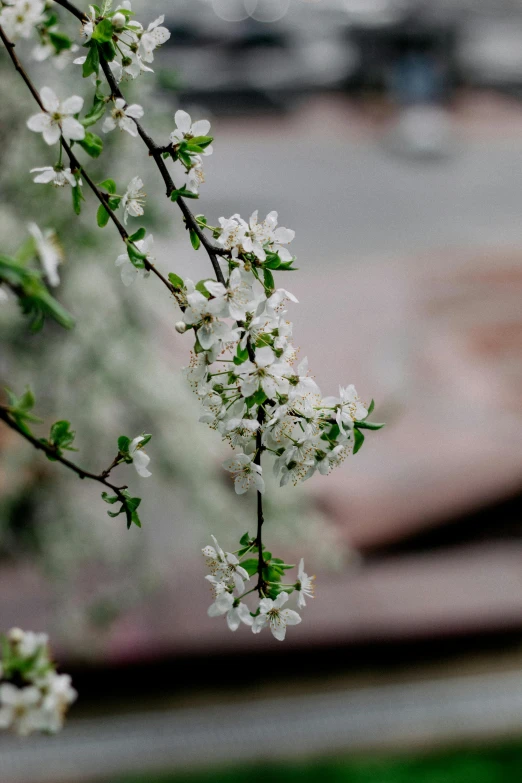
498,764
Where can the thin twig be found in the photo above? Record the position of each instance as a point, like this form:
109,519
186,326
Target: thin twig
75,164
83,474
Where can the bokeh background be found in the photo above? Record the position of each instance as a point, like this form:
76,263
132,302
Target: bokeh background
389,136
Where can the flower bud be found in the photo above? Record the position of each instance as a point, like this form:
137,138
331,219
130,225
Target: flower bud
181,327
119,21
15,635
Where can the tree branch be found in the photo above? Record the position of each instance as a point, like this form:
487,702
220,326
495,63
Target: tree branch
83,474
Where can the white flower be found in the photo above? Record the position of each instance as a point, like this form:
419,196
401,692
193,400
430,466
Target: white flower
237,295
235,611
225,568
241,431
140,460
133,199
121,117
204,313
195,174
58,694
20,18
88,26
129,272
186,129
153,37
304,586
19,708
58,175
57,119
49,252
264,373
349,407
245,472
271,612
301,384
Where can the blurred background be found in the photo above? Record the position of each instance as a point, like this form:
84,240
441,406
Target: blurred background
389,136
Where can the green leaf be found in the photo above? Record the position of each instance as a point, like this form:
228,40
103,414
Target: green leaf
269,279
245,539
61,435
109,498
95,114
123,444
109,185
259,397
200,286
176,281
184,192
367,425
103,31
286,266
108,50
272,261
77,198
371,407
241,355
102,216
92,63
136,258
138,235
60,41
250,566
194,239
92,144
358,440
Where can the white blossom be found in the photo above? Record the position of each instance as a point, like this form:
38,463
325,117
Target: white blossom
57,119
88,25
245,472
19,708
304,586
272,613
122,117
57,696
225,568
186,129
140,459
20,17
153,37
133,199
235,611
129,273
49,252
58,175
348,405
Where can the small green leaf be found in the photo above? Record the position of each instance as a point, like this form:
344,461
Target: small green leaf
194,239
109,498
245,539
138,235
136,258
358,440
103,31
123,444
102,216
92,63
259,397
368,425
269,279
95,114
371,407
250,566
108,50
109,185
60,41
92,144
176,281
184,192
200,286
77,198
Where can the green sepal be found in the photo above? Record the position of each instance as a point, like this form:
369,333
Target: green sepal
92,144
358,440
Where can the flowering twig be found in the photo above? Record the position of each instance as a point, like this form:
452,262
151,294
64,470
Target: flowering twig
56,457
75,164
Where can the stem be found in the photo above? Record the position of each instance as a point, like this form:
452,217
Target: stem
260,516
83,474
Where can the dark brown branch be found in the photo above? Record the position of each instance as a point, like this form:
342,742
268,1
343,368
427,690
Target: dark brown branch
83,474
75,164
260,517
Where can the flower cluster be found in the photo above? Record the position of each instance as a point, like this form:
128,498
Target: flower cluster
33,697
228,574
19,18
245,371
129,46
190,143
